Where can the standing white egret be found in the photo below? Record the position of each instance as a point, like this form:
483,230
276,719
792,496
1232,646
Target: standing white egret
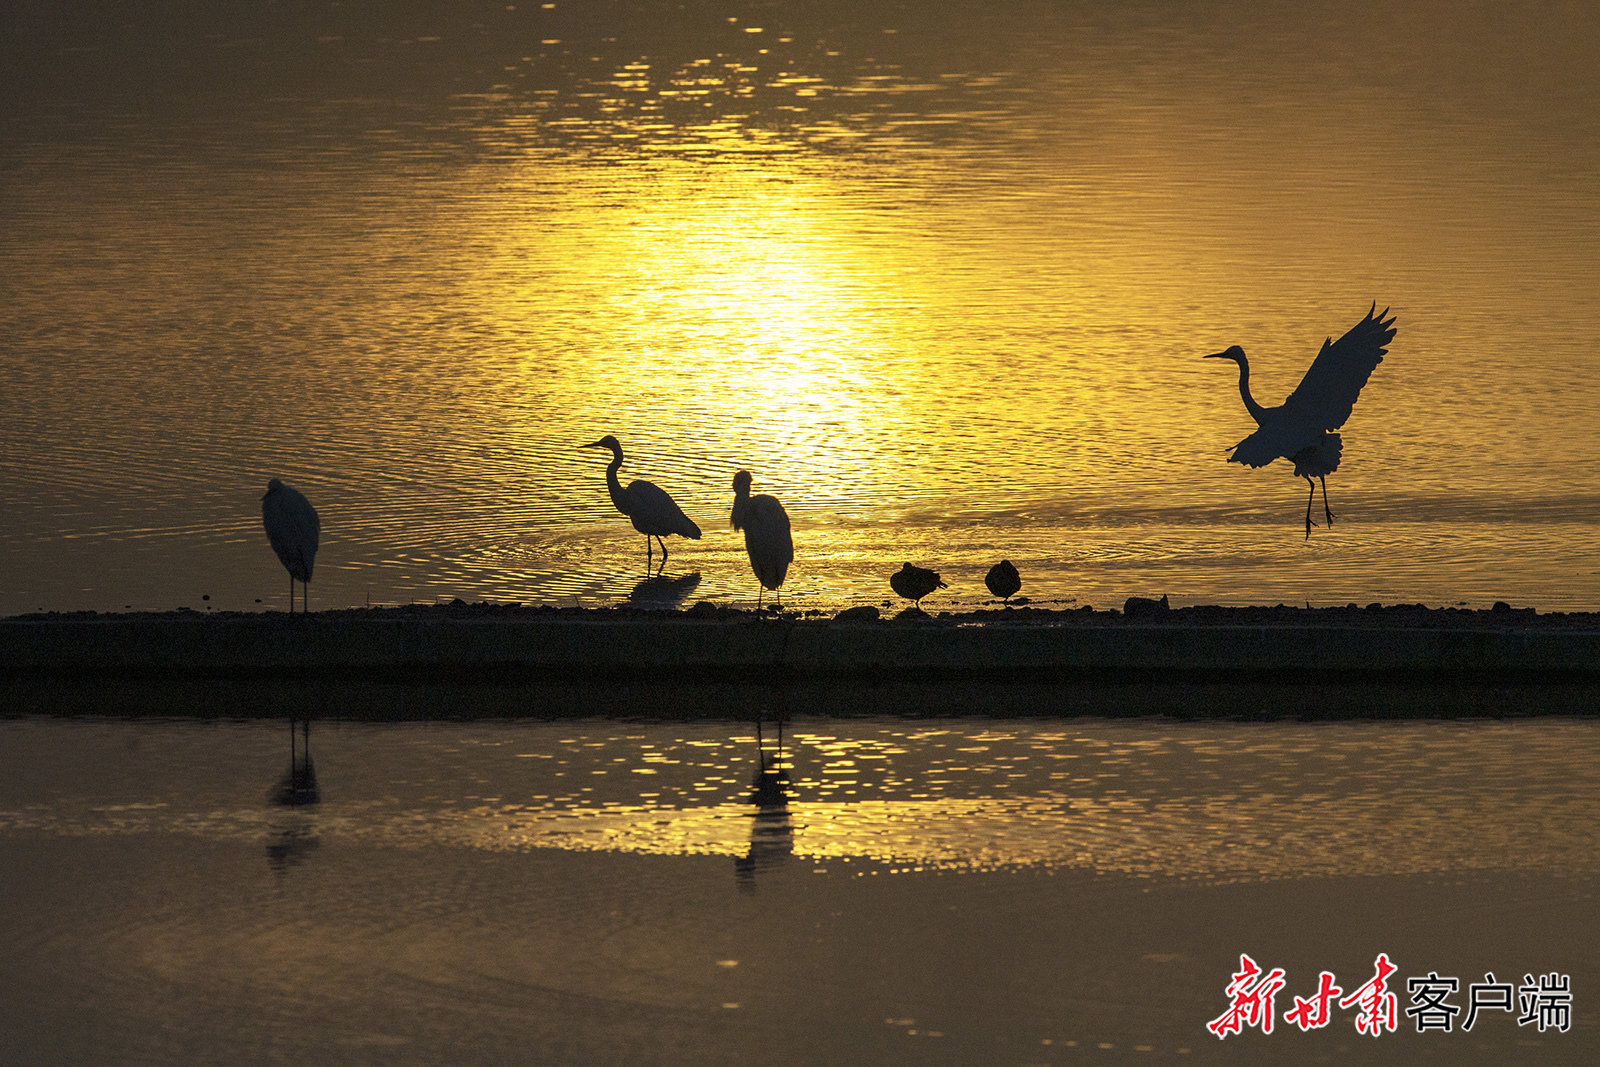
653,512
1300,429
294,529
766,534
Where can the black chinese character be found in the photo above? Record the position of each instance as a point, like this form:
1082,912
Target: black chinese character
1431,1011
1548,1004
1487,994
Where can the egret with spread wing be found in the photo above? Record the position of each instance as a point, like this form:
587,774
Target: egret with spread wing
766,534
1301,428
654,513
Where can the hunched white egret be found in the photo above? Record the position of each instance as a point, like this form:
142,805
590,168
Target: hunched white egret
766,534
1300,429
652,511
294,529
914,583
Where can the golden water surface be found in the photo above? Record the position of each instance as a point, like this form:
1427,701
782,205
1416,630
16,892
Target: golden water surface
1222,802
939,278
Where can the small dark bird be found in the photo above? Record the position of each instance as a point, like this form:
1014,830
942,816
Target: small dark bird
1301,428
914,583
1003,580
294,529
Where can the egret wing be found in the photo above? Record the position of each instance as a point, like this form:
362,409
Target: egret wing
1276,439
294,530
661,515
771,524
1327,394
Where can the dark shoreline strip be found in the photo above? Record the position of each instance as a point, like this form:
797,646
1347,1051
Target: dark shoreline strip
673,649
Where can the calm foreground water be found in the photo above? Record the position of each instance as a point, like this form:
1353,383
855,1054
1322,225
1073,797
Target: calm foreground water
961,891
939,275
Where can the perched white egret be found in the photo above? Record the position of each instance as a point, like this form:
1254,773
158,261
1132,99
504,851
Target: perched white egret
1003,580
766,534
1300,429
914,583
293,528
653,512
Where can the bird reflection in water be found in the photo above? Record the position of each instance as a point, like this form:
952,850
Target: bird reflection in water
771,834
663,593
296,789
299,786
290,845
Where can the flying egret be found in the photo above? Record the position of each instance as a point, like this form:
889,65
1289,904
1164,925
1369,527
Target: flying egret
1300,429
1003,580
653,512
914,583
766,534
293,528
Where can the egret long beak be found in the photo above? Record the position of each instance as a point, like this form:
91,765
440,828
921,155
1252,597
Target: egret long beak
594,444
1216,355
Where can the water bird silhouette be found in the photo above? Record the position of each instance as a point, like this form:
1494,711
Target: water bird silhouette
1300,429
1003,580
653,512
766,535
294,529
914,583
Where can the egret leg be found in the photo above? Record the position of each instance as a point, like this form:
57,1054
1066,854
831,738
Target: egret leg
649,554
1309,500
291,592
1325,510
663,545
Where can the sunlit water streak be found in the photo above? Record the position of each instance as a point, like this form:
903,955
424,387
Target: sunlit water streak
942,291
1224,802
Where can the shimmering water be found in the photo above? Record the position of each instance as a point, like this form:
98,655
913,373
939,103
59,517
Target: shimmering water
600,891
1214,802
940,277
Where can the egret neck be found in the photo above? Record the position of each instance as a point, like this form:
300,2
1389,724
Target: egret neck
1236,354
618,497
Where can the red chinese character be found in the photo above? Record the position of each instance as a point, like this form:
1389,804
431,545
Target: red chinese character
1377,1003
1252,1001
1314,1013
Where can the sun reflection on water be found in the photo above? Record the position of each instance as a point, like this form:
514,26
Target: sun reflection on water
929,285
